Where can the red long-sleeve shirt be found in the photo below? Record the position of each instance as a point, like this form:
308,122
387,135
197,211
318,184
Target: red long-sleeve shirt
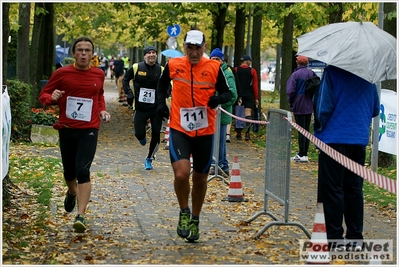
78,84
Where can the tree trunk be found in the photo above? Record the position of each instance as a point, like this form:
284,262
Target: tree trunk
390,27
287,56
36,70
219,22
42,50
239,32
23,43
6,33
385,159
256,39
336,12
47,34
277,78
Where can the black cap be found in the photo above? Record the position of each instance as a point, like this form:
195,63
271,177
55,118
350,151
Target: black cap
149,48
245,57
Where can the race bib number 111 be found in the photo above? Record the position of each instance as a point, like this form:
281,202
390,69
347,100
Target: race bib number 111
193,119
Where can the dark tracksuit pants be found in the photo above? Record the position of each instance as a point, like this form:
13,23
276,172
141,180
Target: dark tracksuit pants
140,122
340,191
303,142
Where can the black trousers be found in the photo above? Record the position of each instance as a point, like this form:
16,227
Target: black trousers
304,122
341,192
78,147
140,122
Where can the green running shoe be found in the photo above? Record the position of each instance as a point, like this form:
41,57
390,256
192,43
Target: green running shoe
183,229
80,224
69,202
193,237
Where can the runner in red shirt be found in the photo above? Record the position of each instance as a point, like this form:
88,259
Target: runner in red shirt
78,91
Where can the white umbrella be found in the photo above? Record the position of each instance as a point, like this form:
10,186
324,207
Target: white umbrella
358,47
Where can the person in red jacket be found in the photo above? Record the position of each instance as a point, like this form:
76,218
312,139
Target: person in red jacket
248,95
78,91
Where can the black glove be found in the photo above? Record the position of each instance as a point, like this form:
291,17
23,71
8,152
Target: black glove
163,111
129,94
214,101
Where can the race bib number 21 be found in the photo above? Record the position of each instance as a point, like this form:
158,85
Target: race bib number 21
193,119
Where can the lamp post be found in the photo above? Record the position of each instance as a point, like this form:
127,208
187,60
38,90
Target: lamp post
376,120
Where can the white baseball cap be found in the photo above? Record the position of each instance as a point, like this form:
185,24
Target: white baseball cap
194,37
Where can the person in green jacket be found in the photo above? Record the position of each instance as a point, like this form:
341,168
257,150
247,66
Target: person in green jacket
225,119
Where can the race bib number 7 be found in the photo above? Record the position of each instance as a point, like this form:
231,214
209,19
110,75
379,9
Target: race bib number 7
193,119
79,108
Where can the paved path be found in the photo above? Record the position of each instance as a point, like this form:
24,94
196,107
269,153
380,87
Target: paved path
133,213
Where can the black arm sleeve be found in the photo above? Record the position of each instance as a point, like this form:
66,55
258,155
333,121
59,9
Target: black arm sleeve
126,79
238,85
223,88
163,87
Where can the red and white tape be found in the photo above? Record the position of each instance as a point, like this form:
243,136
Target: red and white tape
367,174
243,119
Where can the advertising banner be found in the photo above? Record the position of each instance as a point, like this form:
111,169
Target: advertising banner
388,122
6,132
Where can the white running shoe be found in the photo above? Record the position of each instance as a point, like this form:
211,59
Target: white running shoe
298,158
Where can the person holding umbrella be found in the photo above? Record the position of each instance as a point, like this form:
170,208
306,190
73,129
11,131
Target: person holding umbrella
343,108
358,55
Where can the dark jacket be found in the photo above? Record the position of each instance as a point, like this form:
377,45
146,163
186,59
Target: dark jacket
300,103
118,67
246,80
145,82
231,81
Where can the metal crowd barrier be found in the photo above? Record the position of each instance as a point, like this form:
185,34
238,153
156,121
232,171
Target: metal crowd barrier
216,141
277,170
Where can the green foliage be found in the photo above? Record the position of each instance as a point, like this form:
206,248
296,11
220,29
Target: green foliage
40,10
361,12
379,196
12,49
39,176
20,99
69,60
7,185
44,116
391,15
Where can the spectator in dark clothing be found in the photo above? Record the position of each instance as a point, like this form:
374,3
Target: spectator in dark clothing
300,104
119,71
248,95
343,109
238,89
